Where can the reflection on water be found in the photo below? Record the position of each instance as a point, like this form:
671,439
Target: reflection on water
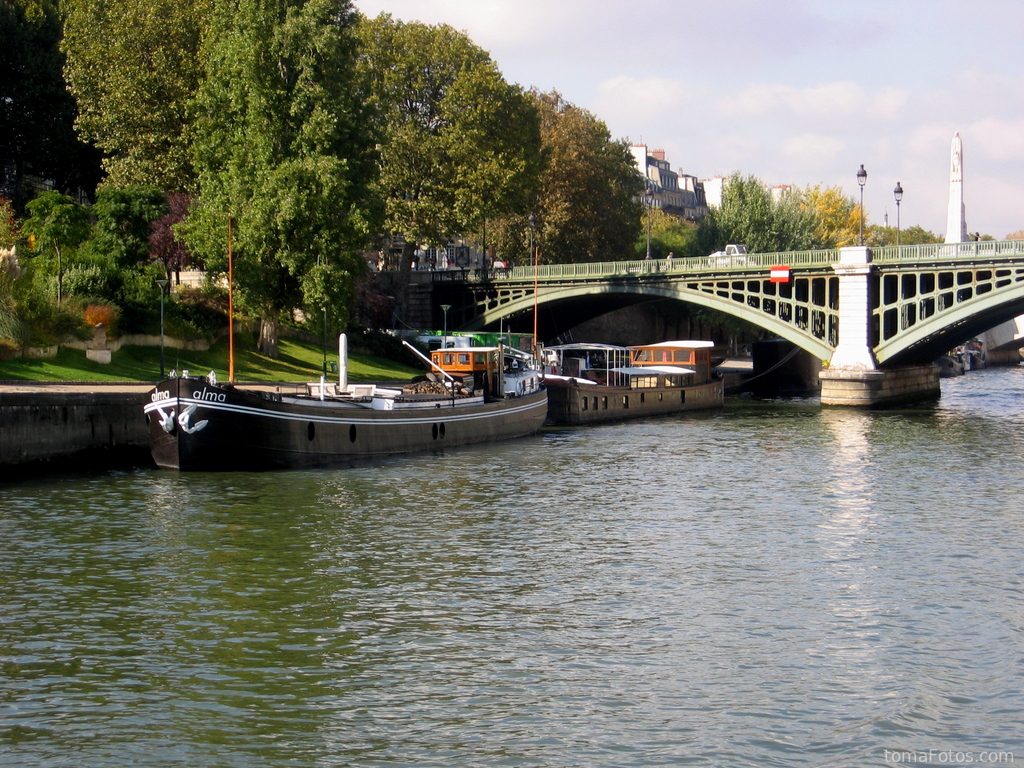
771,584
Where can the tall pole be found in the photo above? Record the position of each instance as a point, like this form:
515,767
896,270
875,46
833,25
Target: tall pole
862,179
163,285
533,252
649,201
898,194
231,309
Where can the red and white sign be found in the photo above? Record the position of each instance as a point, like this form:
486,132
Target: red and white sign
779,274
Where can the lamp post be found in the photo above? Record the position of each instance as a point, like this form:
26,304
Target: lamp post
862,179
444,339
649,203
163,286
898,194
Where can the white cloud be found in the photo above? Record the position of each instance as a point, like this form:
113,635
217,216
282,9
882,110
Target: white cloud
813,150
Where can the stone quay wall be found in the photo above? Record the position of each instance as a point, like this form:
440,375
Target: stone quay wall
61,430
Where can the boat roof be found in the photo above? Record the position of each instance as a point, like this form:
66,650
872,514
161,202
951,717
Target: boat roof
585,346
647,370
689,344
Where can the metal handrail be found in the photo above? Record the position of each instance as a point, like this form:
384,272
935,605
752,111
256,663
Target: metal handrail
745,262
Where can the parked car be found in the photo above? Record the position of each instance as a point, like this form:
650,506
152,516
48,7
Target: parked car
734,255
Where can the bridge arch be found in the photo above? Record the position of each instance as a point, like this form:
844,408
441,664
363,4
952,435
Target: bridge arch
550,296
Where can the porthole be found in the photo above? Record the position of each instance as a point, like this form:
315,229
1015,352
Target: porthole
440,431
434,431
310,431
352,433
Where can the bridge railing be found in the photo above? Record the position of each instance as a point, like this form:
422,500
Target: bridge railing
942,251
608,269
720,263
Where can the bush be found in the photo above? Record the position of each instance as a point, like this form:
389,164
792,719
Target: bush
107,314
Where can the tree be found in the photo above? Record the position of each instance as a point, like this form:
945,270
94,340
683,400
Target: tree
124,222
9,231
133,66
838,216
915,235
37,112
459,145
588,208
284,151
56,223
669,234
749,215
164,244
1018,235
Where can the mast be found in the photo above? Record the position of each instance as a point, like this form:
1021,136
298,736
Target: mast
231,310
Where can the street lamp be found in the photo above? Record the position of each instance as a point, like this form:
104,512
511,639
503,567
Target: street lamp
444,339
862,179
163,286
649,202
898,194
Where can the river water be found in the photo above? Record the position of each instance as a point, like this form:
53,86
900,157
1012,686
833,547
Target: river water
773,584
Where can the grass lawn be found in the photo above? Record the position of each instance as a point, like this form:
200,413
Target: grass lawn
298,361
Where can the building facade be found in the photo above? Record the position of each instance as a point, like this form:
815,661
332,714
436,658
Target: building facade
676,193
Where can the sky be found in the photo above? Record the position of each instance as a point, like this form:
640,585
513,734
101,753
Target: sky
798,92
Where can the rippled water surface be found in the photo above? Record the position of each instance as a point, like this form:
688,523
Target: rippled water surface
774,584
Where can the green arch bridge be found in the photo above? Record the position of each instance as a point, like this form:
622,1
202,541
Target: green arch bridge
861,311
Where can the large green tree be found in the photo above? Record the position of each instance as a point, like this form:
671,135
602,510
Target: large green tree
284,149
133,66
37,112
459,145
750,215
588,207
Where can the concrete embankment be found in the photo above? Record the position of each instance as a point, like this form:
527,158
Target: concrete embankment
63,427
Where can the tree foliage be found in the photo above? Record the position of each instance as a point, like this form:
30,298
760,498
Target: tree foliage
459,145
283,147
37,112
915,235
57,224
749,215
133,66
164,243
588,207
669,234
838,216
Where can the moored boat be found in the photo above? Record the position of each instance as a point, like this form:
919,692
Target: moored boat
479,395
589,383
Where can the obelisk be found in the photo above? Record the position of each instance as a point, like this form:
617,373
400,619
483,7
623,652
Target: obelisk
956,223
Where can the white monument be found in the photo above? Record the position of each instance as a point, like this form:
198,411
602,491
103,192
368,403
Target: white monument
956,223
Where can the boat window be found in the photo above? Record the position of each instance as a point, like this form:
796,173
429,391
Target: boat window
682,356
463,358
604,403
642,356
449,358
478,358
586,402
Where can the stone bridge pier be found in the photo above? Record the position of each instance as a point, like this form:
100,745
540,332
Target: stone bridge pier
852,376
